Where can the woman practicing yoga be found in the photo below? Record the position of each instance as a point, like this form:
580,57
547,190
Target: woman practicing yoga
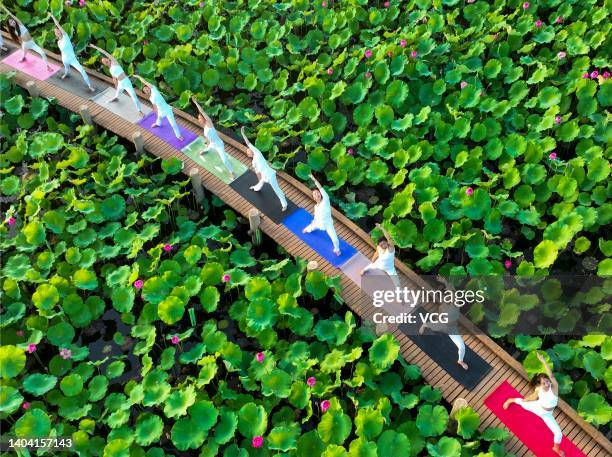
69,58
265,173
384,258
20,33
542,402
212,138
323,215
122,82
160,106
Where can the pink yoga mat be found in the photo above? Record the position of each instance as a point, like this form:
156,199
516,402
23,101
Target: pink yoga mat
32,66
527,427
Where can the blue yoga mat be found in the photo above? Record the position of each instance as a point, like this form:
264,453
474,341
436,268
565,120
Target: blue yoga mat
318,240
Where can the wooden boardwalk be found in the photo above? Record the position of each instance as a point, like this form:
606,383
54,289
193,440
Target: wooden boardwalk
504,367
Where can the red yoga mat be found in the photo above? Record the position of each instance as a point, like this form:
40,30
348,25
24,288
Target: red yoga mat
527,427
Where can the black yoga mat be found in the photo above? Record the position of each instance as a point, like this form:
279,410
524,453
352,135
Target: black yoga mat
443,351
75,84
265,200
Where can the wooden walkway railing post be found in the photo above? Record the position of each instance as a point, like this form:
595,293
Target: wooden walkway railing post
138,142
196,183
254,230
32,89
86,115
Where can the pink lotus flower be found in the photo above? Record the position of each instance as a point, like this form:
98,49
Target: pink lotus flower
403,43
525,5
471,1
226,278
414,54
463,84
350,151
594,74
81,3
257,441
330,71
585,75
68,3
311,381
508,263
175,339
65,353
11,221
26,405
324,405
552,155
202,4
138,283
559,19
558,120
387,4
606,74
167,247
19,332
324,4
146,41
390,53
368,54
260,356
538,23
31,348
368,75
469,191
561,55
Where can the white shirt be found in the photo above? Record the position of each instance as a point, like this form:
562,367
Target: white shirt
158,100
261,166
66,48
385,260
22,29
213,137
547,398
115,70
322,211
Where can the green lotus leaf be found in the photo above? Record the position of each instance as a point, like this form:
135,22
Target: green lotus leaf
252,420
544,254
362,448
45,143
528,343
261,314
13,313
209,298
432,420
85,279
404,232
467,422
604,268
257,287
149,428
595,409
446,447
178,401
316,284
495,434
10,400
334,427
16,267
369,423
97,387
33,424
14,105
549,96
391,442
226,428
171,309
115,369
283,438
12,361
533,366
71,385
277,383
384,352
376,143
34,233
363,115
355,93
187,434
595,364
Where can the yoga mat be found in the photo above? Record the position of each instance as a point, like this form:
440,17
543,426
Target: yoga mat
212,162
75,84
123,107
32,66
166,133
527,427
318,240
265,200
443,351
353,267
10,48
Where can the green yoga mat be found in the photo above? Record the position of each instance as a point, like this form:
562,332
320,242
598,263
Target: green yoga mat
212,162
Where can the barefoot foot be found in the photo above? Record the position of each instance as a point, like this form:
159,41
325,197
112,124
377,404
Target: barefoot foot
337,251
154,126
508,402
462,364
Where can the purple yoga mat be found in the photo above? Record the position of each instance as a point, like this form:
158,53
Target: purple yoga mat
166,133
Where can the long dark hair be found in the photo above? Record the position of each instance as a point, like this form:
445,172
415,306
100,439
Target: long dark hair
13,30
537,379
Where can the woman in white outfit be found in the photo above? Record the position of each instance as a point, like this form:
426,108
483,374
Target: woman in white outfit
122,82
20,33
160,106
323,215
265,173
69,58
542,402
2,47
213,141
384,258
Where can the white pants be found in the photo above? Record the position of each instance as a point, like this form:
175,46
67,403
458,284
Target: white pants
30,45
458,340
392,274
546,416
220,150
125,86
74,63
168,114
328,226
275,187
